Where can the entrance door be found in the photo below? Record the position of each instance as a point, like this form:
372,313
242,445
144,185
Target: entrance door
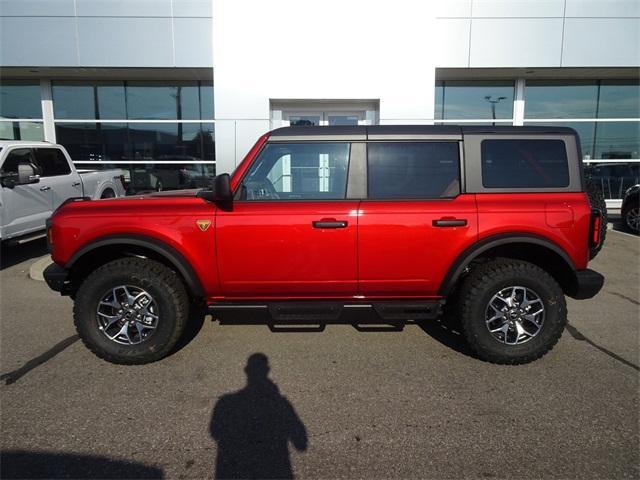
291,233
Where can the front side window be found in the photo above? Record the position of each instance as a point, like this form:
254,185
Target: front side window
298,171
14,158
413,170
524,164
52,162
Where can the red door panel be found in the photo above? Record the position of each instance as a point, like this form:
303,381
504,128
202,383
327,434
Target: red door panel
407,247
274,250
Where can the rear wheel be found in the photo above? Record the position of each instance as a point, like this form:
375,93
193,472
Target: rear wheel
511,311
631,216
131,311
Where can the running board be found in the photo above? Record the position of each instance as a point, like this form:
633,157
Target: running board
327,311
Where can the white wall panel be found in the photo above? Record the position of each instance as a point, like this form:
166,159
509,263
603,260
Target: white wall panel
518,8
36,41
452,41
592,42
192,8
603,8
192,42
125,42
37,8
453,8
124,8
516,42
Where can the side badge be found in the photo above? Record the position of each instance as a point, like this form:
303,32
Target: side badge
203,224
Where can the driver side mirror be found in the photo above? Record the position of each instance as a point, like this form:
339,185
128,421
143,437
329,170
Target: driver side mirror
27,174
220,191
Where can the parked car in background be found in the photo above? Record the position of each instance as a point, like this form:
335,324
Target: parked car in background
36,178
631,209
613,179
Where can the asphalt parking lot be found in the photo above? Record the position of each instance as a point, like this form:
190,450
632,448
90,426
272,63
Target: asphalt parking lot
344,401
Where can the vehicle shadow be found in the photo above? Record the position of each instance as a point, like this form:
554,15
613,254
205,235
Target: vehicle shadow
254,426
15,254
27,464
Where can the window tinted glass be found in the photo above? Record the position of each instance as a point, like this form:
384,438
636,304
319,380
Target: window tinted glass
524,164
561,99
73,101
413,170
617,140
14,157
475,100
20,100
315,171
619,99
52,162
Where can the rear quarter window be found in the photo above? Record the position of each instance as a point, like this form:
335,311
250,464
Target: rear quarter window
522,163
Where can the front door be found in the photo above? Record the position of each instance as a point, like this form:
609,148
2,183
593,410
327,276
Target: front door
415,221
25,207
56,173
291,232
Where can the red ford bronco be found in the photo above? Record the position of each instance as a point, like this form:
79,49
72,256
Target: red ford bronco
492,223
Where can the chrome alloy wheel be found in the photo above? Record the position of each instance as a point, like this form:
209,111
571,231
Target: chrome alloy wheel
514,315
127,315
633,219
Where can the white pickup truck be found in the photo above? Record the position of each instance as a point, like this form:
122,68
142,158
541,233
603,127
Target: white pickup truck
35,178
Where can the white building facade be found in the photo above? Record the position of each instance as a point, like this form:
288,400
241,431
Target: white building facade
177,89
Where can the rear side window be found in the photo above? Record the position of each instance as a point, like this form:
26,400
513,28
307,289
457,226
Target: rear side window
524,164
408,170
52,162
298,171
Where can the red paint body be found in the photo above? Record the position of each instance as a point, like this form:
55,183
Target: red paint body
269,250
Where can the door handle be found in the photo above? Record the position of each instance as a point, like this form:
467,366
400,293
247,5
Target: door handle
75,184
44,189
450,222
329,223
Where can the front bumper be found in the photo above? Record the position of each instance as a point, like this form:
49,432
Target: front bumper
57,278
587,284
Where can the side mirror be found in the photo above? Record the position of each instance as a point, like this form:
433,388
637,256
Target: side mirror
27,174
220,191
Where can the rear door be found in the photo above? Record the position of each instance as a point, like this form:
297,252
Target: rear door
291,232
56,174
415,220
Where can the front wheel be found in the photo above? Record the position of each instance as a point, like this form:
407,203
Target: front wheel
131,311
511,311
631,217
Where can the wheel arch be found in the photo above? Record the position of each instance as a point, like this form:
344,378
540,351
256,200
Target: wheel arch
537,250
101,251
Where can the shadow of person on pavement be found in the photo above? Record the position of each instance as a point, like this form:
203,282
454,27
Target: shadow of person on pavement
253,428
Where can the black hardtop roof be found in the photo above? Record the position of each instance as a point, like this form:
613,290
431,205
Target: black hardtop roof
361,130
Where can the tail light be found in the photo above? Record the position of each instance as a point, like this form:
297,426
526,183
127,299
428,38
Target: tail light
594,227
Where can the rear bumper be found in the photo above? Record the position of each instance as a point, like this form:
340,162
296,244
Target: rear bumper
587,285
57,278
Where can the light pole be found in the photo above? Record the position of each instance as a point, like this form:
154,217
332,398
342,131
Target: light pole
493,103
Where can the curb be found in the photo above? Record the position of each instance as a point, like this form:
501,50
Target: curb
36,269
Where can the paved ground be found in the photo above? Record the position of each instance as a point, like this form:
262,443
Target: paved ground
365,404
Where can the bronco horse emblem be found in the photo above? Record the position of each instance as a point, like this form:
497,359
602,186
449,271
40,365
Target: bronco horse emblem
203,224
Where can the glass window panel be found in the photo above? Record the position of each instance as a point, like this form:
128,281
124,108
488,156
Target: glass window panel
52,162
166,141
20,100
586,133
465,100
413,170
208,141
560,100
298,171
524,164
148,101
73,101
617,140
304,120
343,120
619,99
439,99
21,131
613,178
189,102
111,101
206,101
94,141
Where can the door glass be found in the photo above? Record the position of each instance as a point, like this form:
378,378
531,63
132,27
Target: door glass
298,171
15,157
52,162
343,120
304,120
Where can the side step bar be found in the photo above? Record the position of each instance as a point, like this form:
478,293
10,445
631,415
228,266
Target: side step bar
321,311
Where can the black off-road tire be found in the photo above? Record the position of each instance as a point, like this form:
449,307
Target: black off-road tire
488,279
596,200
160,282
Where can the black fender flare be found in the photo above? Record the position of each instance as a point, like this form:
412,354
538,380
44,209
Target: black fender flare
474,251
169,253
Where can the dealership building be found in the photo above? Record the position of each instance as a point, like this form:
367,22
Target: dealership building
173,91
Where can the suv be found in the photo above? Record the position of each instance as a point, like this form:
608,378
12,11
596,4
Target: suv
491,223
